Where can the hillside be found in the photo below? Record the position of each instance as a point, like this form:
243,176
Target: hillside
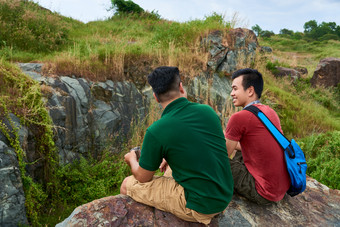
126,48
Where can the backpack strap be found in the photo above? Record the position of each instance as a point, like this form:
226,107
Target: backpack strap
279,137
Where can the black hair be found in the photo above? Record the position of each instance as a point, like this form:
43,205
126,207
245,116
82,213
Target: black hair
251,77
163,80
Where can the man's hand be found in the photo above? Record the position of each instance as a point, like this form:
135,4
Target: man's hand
163,165
130,157
142,175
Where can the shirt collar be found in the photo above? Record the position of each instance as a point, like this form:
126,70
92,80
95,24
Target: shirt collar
253,102
174,104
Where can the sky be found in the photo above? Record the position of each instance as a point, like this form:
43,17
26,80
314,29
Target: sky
272,15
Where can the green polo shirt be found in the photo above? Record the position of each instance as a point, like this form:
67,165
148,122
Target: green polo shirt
190,137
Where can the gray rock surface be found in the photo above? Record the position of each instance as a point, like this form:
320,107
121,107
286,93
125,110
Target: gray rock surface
230,50
214,90
87,115
317,206
12,198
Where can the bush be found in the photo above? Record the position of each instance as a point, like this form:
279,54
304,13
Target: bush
123,7
329,37
323,157
87,180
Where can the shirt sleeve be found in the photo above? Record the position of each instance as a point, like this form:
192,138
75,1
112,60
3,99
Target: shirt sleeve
235,127
151,154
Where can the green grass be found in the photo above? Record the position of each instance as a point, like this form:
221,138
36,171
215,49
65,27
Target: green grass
320,49
322,153
302,111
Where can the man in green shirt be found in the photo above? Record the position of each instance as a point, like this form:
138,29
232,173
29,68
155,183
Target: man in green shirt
188,138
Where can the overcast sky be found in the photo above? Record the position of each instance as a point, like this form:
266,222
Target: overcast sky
271,15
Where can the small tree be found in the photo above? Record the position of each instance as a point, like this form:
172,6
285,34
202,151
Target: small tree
310,26
267,33
122,6
257,29
286,31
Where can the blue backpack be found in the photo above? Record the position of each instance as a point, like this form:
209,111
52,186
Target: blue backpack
294,157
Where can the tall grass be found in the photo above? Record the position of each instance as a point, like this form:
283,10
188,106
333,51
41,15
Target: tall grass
27,26
115,44
323,157
303,110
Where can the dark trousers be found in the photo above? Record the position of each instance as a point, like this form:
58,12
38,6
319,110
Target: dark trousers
244,182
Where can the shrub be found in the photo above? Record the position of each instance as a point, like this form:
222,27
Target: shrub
123,7
329,37
271,66
323,157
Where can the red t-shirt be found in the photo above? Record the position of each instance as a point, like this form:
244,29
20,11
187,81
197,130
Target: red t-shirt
261,153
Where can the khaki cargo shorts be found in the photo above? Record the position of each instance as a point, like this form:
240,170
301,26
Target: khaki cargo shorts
165,194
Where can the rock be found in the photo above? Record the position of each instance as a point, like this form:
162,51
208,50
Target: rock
265,49
32,69
215,89
317,206
12,198
327,73
121,210
302,70
231,50
292,73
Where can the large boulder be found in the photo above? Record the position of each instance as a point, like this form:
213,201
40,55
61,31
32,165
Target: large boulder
327,73
230,50
317,206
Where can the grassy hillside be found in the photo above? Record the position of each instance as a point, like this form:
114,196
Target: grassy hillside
126,47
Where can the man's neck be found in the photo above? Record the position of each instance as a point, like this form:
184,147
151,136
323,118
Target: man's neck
166,103
252,101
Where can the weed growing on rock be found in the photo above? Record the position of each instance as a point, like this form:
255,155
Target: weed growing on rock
21,96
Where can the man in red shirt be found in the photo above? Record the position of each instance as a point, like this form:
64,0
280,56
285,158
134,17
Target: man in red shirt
258,167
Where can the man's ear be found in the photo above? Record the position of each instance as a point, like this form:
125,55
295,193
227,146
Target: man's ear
182,90
154,95
251,91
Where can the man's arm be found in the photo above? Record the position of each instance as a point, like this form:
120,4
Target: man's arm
231,146
142,175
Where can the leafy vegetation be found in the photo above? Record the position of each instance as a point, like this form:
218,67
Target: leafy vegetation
21,96
312,32
262,33
323,157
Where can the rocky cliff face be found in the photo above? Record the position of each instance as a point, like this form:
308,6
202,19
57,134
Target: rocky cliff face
317,206
88,114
